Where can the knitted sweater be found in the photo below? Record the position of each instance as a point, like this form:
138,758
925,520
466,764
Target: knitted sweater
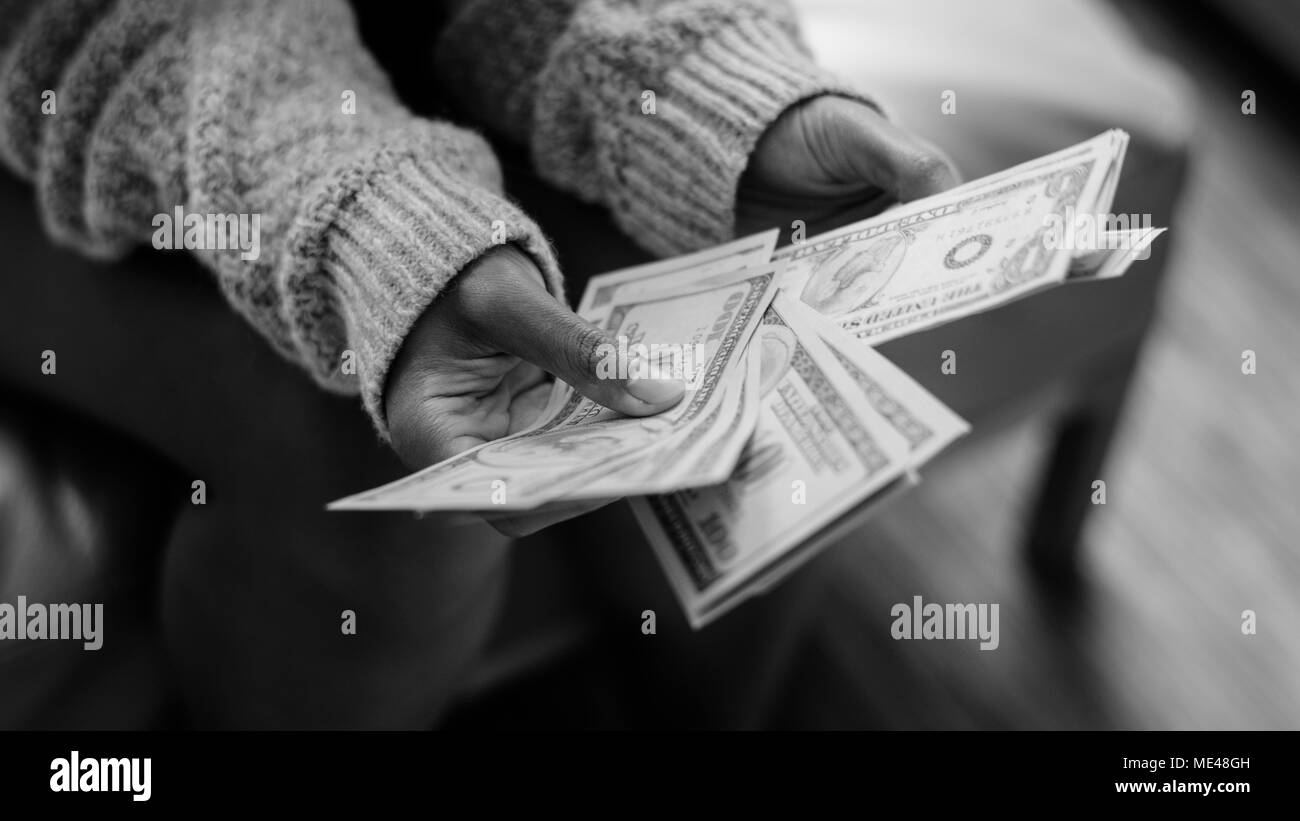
124,113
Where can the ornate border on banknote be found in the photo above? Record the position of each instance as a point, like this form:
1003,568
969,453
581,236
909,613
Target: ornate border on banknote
670,509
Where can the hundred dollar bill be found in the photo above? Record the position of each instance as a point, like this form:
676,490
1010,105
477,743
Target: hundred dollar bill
956,253
578,443
819,450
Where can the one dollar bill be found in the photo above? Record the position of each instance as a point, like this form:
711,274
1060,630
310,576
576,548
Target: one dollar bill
837,428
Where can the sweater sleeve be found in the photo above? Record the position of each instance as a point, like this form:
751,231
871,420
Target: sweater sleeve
121,113
648,107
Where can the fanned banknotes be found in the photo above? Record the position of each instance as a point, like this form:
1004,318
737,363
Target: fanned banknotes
793,429
838,425
580,449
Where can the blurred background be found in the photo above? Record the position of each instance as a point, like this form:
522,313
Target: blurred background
1127,615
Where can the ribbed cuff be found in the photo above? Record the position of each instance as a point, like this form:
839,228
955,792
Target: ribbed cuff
676,171
398,242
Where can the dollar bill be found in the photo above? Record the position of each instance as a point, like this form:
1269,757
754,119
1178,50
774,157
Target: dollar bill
703,454
1117,251
917,415
1109,147
578,445
955,253
689,270
820,449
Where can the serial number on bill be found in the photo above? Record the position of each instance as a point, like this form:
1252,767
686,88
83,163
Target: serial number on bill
1179,763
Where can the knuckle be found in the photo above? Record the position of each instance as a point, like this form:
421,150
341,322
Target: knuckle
928,166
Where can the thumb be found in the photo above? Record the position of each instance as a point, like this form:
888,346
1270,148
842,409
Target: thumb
872,148
523,319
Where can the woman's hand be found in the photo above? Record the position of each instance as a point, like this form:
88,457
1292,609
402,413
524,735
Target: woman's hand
473,368
831,161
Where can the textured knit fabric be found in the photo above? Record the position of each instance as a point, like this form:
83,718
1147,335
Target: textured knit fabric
720,72
242,107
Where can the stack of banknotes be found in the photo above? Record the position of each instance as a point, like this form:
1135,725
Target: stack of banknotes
793,429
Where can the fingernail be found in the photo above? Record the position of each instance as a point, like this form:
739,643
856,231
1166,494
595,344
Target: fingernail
656,391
